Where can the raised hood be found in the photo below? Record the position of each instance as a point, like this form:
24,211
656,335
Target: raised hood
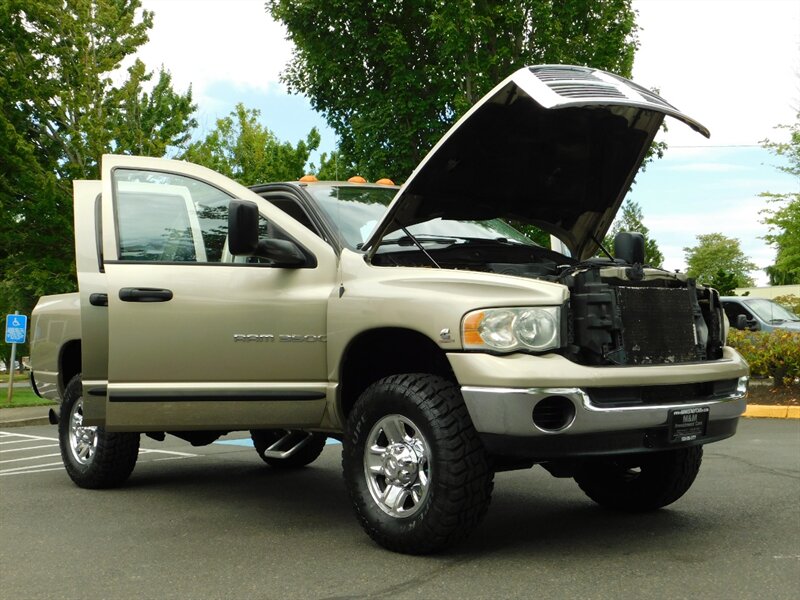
553,145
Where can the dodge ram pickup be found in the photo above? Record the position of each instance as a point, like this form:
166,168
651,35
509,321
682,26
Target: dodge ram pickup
414,324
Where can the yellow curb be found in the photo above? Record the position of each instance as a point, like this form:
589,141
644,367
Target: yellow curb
762,411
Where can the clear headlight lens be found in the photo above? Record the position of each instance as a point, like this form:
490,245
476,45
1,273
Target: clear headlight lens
534,328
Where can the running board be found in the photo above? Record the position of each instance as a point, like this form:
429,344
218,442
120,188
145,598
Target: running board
289,444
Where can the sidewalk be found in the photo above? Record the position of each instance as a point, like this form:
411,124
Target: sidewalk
23,417
37,415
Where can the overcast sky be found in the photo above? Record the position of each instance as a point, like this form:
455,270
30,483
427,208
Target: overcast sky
732,65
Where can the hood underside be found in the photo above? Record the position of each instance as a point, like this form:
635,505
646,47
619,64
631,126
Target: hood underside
554,146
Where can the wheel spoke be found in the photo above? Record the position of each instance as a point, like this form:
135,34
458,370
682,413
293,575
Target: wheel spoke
394,430
373,460
83,450
394,496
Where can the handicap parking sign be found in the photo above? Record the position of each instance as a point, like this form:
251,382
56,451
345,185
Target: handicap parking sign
16,327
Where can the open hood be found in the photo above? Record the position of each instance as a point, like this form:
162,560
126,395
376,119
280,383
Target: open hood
553,145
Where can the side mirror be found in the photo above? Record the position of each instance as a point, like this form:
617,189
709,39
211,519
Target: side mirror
741,322
282,253
242,228
243,238
629,246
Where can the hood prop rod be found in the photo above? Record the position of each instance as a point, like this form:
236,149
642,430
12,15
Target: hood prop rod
418,245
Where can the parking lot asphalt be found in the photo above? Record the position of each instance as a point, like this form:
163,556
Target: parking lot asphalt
215,522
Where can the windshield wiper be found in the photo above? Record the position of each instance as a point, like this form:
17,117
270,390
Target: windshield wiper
411,240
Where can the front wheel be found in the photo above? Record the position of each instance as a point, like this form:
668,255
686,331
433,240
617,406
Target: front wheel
416,471
640,482
93,457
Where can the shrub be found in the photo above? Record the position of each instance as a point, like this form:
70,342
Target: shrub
775,354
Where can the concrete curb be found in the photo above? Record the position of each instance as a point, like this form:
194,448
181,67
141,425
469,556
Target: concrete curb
764,411
25,422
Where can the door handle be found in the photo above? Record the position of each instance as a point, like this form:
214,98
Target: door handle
98,299
145,295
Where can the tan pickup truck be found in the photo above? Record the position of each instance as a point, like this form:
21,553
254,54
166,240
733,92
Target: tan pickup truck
439,344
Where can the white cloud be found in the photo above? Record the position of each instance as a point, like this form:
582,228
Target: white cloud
206,41
732,65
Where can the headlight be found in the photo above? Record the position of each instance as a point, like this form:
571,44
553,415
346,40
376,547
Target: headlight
534,328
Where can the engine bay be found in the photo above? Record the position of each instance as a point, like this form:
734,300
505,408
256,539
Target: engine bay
620,312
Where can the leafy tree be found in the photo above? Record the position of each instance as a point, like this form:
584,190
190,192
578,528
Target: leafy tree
631,220
243,149
724,282
390,77
336,167
60,112
715,254
783,218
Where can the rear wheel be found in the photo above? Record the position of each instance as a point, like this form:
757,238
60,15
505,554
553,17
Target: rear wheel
640,482
93,457
416,471
312,446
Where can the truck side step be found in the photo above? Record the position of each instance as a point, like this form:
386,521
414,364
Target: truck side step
289,444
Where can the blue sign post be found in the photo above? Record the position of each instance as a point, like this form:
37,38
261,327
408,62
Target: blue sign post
16,330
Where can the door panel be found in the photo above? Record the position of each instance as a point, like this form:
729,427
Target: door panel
196,340
93,289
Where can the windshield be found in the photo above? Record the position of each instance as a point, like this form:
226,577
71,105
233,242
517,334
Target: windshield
357,210
770,311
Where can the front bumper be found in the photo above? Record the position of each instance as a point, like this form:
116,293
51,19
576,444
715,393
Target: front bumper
504,420
504,415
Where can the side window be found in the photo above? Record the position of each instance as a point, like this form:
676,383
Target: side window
733,310
169,218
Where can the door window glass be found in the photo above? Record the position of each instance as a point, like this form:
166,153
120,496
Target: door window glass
169,218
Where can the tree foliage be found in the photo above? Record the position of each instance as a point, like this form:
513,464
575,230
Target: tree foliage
631,220
783,216
61,111
390,77
717,258
243,149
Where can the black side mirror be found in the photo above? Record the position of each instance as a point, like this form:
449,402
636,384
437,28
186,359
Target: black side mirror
243,238
741,322
629,246
282,253
242,228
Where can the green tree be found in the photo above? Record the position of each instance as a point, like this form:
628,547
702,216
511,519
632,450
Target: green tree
783,217
61,111
335,167
390,77
631,220
724,282
241,148
715,254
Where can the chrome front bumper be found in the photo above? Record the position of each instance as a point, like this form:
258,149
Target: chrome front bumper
508,411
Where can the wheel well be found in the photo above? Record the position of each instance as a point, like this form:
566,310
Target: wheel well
379,353
69,363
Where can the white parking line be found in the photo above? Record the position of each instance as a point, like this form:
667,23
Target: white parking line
2,462
15,470
30,448
6,434
19,438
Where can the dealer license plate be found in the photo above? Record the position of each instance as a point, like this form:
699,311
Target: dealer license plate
687,424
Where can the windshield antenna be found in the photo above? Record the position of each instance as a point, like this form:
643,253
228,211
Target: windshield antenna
603,248
418,245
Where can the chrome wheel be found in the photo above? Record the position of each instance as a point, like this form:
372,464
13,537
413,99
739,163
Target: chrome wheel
397,466
82,440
